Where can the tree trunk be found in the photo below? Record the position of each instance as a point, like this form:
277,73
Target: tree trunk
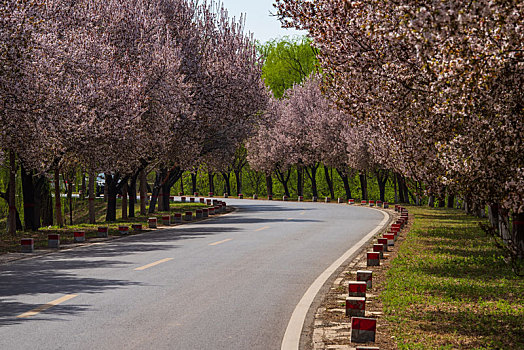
345,181
493,215
132,194
451,200
312,174
182,184
395,187
47,205
211,178
284,179
329,182
83,188
431,201
238,179
504,230
382,179
194,181
143,192
124,201
269,185
363,185
11,195
300,180
442,199
227,184
29,199
105,190
518,234
91,200
58,199
166,191
69,187
111,185
40,185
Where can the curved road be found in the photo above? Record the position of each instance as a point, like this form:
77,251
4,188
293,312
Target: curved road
226,283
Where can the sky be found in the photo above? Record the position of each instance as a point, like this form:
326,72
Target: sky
258,18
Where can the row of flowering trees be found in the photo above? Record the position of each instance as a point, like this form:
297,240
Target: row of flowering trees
436,86
121,87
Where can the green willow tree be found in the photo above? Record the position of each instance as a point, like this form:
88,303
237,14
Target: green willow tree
288,61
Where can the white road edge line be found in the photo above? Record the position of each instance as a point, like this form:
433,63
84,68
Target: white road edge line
291,340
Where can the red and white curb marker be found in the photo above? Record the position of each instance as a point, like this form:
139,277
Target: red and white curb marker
327,200
205,212
79,236
188,216
363,330
340,201
240,196
357,289
351,201
152,222
208,201
373,259
171,198
191,200
195,194
363,202
202,200
314,199
390,238
102,232
226,195
177,218
379,203
123,229
53,241
183,199
255,196
371,203
384,242
300,198
210,194
379,248
180,194
166,220
386,205
284,198
198,214
355,306
270,197
27,245
365,276
211,211
137,227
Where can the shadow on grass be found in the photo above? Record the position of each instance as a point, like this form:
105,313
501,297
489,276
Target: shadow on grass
477,324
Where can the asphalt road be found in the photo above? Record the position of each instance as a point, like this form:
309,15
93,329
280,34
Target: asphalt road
226,283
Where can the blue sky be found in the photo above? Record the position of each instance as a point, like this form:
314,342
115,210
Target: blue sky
258,18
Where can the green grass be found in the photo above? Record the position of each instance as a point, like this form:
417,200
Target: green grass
80,218
449,287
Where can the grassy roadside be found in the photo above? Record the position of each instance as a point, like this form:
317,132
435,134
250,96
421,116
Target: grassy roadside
80,218
449,287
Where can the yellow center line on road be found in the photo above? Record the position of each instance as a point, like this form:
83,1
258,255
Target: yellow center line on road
153,264
288,219
220,242
262,228
49,305
302,213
